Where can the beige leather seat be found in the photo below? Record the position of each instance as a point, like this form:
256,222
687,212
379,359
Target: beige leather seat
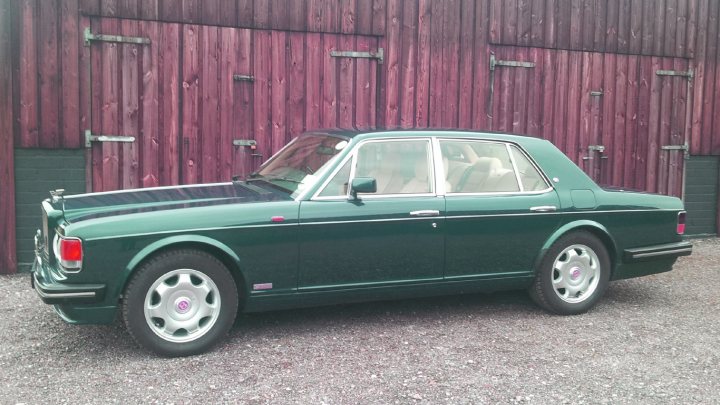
389,179
474,177
419,183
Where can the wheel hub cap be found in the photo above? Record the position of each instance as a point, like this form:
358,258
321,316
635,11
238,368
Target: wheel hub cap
183,305
575,273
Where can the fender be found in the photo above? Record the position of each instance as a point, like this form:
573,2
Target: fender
177,239
574,225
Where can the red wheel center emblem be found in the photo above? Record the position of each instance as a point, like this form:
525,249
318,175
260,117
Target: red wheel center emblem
183,306
575,273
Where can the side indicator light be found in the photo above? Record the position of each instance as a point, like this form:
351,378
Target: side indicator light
681,222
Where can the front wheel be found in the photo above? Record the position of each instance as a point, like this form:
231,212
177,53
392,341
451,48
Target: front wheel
573,275
180,303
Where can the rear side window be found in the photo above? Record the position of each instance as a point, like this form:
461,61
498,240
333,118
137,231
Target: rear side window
530,177
477,167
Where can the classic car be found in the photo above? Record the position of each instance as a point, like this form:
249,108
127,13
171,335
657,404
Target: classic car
349,216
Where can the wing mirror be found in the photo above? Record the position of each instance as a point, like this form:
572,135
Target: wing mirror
362,185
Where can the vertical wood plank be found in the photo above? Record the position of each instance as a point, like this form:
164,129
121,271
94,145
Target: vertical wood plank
496,18
612,22
363,111
574,103
313,73
127,8
646,76
329,83
8,259
586,135
422,89
346,84
347,16
681,24
129,107
278,14
467,56
170,10
148,9
111,109
677,116
669,32
538,23
576,20
588,24
296,15
70,89
601,11
563,23
549,69
209,117
48,75
655,125
210,12
191,11
261,14
451,45
244,162
711,53
191,100
617,153
150,118
632,122
85,98
648,26
509,26
534,93
278,89
170,60
262,64
228,106
659,27
524,22
378,17
481,85
89,7
609,77
636,27
437,93
518,115
364,15
623,26
392,61
560,102
692,29
296,84
698,86
409,64
108,8
244,16
550,26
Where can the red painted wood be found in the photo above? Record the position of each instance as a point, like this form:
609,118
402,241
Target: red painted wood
210,12
210,107
408,57
392,61
588,24
654,124
587,103
262,42
495,20
149,118
524,22
509,27
678,129
109,162
329,107
631,121
537,24
451,48
278,14
108,8
8,260
244,13
519,107
313,72
85,99
191,11
611,24
646,77
244,162
27,75
190,104
614,129
89,7
534,94
170,90
129,109
362,101
572,144
127,8
623,27
466,55
711,52
346,83
659,27
378,17
692,28
550,23
69,99
548,63
575,21
669,33
148,9
348,9
227,54
48,75
698,86
563,25
363,15
296,85
170,10
278,91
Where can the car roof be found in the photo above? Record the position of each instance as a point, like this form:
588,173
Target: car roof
420,132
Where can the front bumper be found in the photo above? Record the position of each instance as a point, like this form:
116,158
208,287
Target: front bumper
666,251
52,291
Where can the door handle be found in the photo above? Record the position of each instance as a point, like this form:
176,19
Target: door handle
544,208
425,213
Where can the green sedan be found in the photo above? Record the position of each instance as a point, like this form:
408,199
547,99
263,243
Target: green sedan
349,216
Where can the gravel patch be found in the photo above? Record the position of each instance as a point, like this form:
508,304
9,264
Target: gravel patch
650,340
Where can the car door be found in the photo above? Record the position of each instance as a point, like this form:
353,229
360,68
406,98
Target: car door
388,237
500,209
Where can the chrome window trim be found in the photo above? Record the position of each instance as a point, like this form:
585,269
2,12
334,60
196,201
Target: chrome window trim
515,168
512,159
354,154
72,196
440,175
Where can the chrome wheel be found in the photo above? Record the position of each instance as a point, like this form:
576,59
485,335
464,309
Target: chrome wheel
576,273
182,305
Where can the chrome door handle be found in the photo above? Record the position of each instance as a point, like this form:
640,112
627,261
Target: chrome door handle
425,213
544,208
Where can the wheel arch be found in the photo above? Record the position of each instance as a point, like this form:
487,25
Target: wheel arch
592,227
203,243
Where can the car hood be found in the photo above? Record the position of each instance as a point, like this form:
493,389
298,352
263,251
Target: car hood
97,205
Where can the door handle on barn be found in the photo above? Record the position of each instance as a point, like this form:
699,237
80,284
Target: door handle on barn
425,213
544,208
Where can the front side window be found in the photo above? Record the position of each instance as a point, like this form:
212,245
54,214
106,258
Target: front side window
398,167
477,167
294,168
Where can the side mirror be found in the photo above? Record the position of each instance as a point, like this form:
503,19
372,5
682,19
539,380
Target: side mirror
362,185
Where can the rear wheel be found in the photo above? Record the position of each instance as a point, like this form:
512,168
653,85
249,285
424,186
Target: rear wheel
573,275
180,303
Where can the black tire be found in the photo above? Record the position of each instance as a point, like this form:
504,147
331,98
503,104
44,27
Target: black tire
560,267
193,272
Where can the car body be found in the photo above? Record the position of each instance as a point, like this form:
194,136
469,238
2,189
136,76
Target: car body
349,216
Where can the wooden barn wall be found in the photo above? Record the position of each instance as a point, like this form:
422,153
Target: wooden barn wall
7,176
435,72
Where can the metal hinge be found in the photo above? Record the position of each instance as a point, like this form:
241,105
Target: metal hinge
243,78
511,63
245,142
595,148
379,54
684,147
689,74
89,138
89,36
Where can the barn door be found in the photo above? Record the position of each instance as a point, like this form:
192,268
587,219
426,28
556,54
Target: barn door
133,122
246,93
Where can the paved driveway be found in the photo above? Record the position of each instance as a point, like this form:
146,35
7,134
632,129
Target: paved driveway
650,340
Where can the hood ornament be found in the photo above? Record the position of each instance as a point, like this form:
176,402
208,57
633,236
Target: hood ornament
57,194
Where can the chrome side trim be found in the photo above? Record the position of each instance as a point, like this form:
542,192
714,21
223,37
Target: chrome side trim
662,253
89,294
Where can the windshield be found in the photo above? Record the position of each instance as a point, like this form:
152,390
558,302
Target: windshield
296,166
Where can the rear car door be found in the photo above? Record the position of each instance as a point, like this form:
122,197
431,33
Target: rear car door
500,209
